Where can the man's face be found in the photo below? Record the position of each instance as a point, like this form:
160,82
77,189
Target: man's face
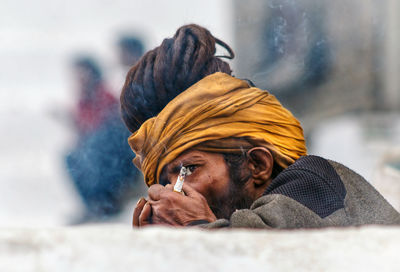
209,176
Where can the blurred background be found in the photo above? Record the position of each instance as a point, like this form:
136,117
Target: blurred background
335,64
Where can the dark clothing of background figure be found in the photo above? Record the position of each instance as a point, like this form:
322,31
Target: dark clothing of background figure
100,165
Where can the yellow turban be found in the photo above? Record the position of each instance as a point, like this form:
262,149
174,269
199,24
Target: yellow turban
220,114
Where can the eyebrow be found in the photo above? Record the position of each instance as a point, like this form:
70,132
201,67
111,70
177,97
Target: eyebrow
191,159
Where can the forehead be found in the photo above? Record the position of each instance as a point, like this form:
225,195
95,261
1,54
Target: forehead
189,154
193,155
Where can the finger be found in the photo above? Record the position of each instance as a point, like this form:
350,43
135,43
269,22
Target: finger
170,187
157,191
136,212
161,215
189,191
144,218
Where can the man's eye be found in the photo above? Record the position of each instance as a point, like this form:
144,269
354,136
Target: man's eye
190,169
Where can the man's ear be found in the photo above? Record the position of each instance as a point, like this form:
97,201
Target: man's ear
260,163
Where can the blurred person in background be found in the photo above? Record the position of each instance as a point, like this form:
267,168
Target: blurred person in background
99,163
131,49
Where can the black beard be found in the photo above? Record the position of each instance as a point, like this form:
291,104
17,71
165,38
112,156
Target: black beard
237,199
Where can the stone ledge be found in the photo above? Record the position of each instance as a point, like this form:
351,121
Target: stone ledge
119,248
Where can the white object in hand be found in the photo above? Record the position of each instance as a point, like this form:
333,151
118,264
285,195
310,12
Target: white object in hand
179,181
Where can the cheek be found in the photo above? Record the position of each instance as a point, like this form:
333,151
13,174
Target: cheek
202,183
220,182
212,185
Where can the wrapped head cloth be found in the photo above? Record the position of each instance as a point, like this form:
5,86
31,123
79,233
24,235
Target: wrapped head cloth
220,114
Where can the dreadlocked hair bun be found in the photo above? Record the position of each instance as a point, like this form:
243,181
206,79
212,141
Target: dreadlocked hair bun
166,71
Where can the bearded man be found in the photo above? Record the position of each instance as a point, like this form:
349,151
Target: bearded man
245,153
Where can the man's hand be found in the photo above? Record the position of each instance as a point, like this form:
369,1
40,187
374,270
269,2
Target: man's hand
142,213
170,208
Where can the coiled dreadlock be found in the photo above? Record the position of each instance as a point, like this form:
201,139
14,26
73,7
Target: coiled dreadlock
167,70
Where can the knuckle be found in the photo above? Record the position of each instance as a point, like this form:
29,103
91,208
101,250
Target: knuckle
166,202
172,196
154,188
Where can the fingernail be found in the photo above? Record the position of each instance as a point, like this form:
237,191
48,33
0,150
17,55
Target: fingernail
140,201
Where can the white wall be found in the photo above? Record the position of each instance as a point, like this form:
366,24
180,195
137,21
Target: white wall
391,78
118,248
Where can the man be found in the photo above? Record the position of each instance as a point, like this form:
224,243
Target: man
245,154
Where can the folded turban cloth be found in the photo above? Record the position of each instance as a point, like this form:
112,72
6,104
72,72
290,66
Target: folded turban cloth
220,114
